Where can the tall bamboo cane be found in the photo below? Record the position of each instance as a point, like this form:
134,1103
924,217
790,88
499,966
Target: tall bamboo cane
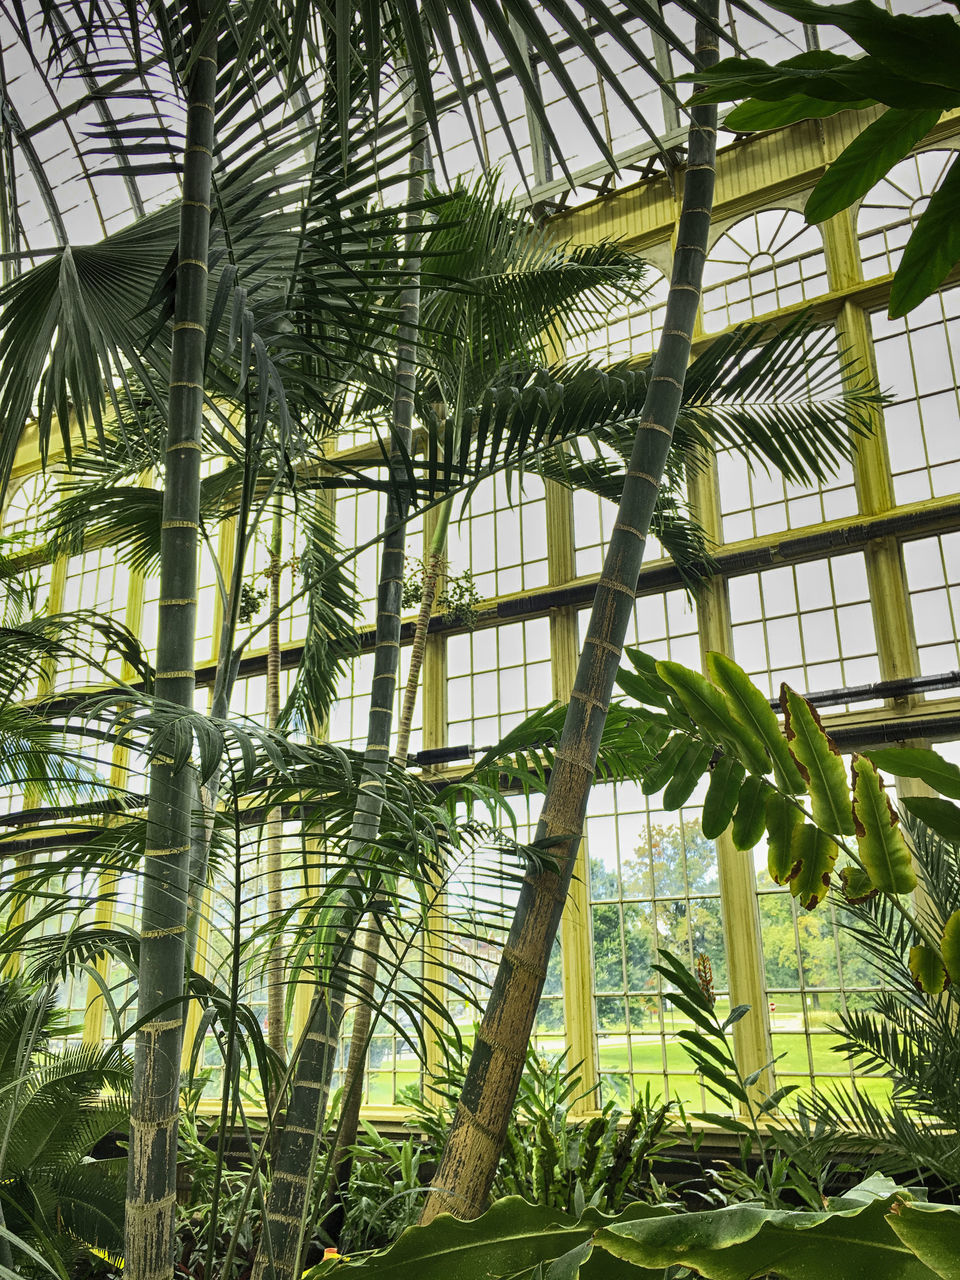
273,975
287,1210
463,1180
152,1166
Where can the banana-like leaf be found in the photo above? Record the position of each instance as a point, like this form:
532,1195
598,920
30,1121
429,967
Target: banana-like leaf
922,763
883,850
855,1236
816,854
662,769
750,817
513,1236
819,762
930,1231
941,816
722,795
782,819
710,712
950,946
856,884
753,712
926,967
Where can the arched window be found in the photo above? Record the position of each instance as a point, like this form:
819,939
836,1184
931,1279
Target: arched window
767,261
890,210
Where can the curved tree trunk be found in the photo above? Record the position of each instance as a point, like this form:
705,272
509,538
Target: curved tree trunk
462,1183
287,1209
151,1180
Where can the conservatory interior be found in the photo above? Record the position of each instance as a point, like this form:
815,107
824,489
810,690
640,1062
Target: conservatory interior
420,364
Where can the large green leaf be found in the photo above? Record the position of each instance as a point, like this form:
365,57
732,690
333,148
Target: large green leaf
750,817
691,767
819,762
867,159
883,850
931,1232
932,249
926,969
754,714
513,1236
940,815
756,114
710,712
721,798
814,854
922,763
782,820
853,1239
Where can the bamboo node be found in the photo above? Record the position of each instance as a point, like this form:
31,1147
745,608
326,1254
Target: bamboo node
196,146
571,759
620,587
205,106
588,700
180,524
170,1024
194,386
518,962
171,601
663,377
628,528
604,644
174,675
184,444
192,262
189,324
166,853
163,933
471,1120
140,1207
291,1219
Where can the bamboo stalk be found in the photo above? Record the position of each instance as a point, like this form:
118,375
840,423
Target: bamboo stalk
462,1182
273,974
152,1164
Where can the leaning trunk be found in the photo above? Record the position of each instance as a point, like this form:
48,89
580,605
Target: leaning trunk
273,974
152,1166
463,1180
287,1207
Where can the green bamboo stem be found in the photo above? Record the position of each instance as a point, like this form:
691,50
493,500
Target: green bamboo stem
432,571
288,1209
463,1180
152,1164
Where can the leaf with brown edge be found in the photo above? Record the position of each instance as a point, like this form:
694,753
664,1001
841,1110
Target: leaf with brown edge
926,969
883,850
816,854
950,947
783,818
819,762
857,885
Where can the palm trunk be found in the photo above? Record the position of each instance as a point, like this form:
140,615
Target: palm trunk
274,970
151,1186
463,1180
287,1205
370,944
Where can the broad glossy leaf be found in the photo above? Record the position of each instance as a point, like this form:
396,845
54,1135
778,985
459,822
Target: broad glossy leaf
816,854
950,946
933,248
819,762
865,161
924,48
782,820
755,114
757,718
750,817
710,712
931,1232
511,1236
919,762
883,850
853,1238
691,767
721,797
926,968
940,815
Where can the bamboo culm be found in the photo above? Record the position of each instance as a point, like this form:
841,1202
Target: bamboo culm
152,1161
288,1209
463,1179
